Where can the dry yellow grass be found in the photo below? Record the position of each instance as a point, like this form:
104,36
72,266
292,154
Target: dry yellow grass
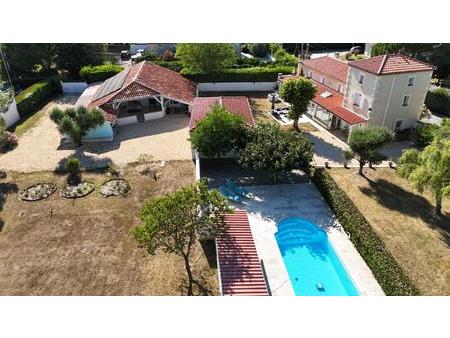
84,247
403,219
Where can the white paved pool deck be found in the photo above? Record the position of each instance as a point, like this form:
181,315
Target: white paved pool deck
272,203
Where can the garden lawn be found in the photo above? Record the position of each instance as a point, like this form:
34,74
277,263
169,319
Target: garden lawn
60,246
402,218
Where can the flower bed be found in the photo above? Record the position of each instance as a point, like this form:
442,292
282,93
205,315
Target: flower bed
79,190
115,187
37,192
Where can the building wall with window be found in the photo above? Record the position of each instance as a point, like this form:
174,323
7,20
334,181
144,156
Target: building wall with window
392,100
320,77
399,100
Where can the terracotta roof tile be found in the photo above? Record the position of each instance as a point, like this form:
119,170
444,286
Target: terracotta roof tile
329,66
391,64
235,104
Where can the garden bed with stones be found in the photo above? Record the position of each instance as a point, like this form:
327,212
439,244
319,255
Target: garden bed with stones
37,192
77,191
115,187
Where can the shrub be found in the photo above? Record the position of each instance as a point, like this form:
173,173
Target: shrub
8,140
29,100
438,101
99,73
259,49
72,166
254,74
385,268
423,134
174,65
446,82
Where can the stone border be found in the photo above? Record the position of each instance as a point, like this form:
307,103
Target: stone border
116,179
55,187
81,196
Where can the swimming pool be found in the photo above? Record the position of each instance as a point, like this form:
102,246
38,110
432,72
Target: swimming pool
313,266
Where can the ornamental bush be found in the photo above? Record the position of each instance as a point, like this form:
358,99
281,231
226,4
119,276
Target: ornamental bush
385,268
438,101
253,74
99,73
30,99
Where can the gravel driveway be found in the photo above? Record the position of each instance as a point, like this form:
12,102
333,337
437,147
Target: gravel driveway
40,148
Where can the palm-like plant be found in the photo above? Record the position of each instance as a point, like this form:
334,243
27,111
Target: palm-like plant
76,122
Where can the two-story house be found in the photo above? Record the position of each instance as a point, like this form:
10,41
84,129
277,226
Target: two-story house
385,90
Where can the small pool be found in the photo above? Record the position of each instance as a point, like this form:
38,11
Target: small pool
313,266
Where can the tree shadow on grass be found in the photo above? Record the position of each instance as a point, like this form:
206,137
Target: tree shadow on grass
5,189
398,199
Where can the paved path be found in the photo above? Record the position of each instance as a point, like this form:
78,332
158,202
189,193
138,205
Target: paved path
40,148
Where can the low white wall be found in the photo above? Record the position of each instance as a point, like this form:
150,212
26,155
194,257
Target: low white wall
12,115
236,86
127,120
154,115
73,87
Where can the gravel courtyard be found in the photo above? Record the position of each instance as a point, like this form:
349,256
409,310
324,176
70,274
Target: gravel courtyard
40,148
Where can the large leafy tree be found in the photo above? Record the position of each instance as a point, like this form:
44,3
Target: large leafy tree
430,168
298,93
275,150
219,133
76,122
71,57
173,222
366,143
206,57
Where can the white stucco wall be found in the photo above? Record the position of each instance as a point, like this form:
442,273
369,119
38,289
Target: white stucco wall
154,115
329,81
236,86
12,115
126,120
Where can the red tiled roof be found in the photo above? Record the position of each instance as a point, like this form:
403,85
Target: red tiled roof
239,266
333,104
235,104
329,66
156,80
391,64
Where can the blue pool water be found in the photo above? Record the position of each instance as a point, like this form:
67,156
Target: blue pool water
312,264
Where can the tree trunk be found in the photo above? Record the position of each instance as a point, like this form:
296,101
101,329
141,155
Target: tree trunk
295,124
275,177
361,166
189,274
438,209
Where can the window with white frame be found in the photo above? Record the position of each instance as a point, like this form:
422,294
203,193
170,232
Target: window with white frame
406,100
398,124
357,99
339,89
322,79
361,78
411,80
310,74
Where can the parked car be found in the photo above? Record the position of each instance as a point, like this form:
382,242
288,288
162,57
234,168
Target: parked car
357,50
125,55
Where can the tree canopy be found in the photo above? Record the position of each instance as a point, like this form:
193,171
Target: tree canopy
76,122
206,57
298,93
365,145
275,150
430,169
219,133
173,222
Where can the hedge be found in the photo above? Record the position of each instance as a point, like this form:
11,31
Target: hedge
438,101
174,65
30,99
385,268
254,74
99,73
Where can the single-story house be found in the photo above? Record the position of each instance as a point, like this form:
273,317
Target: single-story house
141,92
238,105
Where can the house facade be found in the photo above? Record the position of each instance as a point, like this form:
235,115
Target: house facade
141,92
386,90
